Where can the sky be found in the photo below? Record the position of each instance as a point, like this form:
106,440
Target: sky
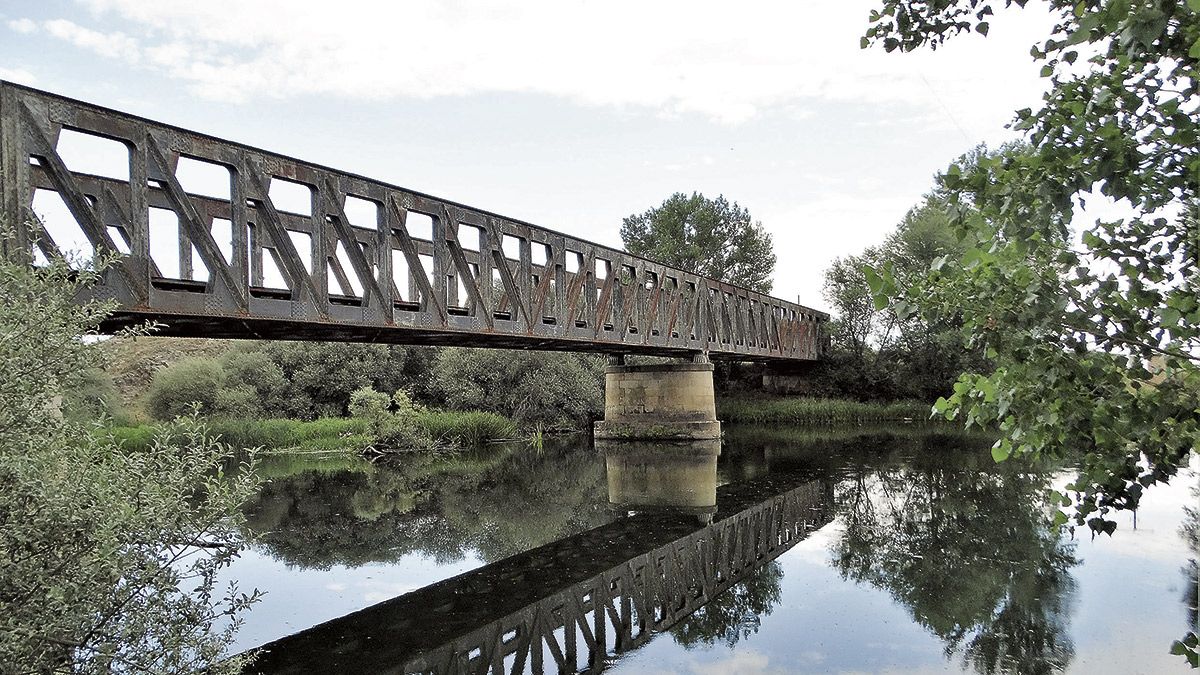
570,114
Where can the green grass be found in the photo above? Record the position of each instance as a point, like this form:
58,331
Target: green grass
323,435
333,434
466,428
816,411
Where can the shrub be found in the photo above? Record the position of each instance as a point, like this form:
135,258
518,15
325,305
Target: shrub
556,390
108,556
94,396
255,371
369,404
321,376
177,388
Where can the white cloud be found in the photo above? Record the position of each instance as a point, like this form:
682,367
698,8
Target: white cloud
724,62
109,45
18,75
23,26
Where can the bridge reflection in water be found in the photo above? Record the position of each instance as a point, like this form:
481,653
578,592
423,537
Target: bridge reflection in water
573,604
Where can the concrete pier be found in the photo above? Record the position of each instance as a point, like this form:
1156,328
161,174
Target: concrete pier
669,401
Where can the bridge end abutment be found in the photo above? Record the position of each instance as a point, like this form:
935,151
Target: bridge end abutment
667,402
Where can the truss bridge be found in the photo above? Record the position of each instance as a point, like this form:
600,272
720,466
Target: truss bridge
219,239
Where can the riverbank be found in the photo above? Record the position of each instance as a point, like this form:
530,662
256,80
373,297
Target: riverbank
336,434
801,410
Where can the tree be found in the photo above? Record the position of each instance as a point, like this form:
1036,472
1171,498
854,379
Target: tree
710,237
322,375
878,353
1096,343
108,556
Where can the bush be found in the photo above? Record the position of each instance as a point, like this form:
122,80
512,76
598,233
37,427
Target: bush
556,390
321,376
255,371
177,388
108,556
369,404
93,397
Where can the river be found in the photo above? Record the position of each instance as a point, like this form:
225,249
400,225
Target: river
837,551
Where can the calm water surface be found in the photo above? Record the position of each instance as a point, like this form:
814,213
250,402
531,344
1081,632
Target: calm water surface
844,551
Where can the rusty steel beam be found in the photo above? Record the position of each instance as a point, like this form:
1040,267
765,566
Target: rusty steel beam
509,284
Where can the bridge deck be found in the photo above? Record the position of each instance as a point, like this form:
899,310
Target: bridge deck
226,240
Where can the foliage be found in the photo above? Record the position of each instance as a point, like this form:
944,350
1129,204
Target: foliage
804,410
262,380
255,382
369,404
403,428
560,391
1189,645
191,383
320,376
109,556
710,237
1096,343
877,353
94,396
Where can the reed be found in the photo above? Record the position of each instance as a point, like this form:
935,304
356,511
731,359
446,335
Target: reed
466,428
817,411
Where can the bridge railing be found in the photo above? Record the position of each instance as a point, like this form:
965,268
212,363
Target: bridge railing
222,239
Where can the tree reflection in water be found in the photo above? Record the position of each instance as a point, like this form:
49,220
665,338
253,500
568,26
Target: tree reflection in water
495,502
970,552
1189,645
965,545
735,614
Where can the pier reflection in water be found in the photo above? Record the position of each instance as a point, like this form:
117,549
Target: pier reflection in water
575,602
662,477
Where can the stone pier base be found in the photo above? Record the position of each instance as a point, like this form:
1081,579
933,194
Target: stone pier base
673,401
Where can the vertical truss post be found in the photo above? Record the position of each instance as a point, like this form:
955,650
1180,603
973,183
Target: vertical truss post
14,180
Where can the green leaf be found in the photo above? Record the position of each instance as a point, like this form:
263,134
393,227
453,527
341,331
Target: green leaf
999,453
1194,52
873,280
1194,5
982,28
985,386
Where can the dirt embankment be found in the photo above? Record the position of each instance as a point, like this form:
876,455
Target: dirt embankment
132,362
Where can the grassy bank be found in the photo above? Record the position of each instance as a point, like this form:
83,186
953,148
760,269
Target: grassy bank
335,434
802,410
